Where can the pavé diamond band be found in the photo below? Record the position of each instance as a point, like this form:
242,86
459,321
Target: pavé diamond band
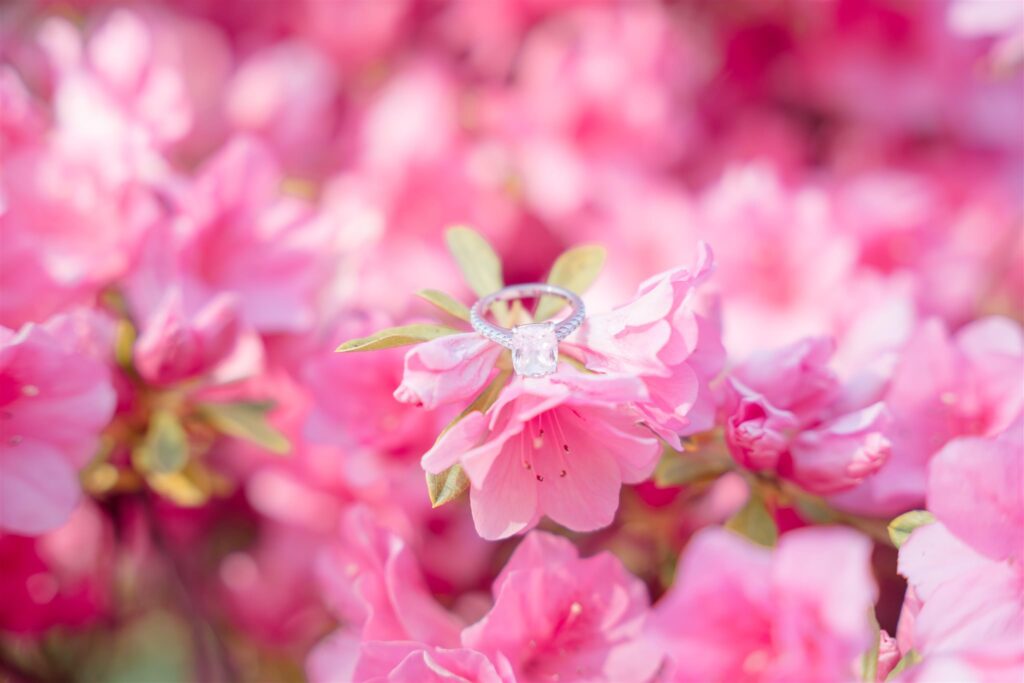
534,346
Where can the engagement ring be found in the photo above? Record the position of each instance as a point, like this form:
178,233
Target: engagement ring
534,346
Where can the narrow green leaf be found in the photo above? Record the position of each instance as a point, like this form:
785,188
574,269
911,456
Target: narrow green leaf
754,521
908,660
678,469
164,450
179,488
476,258
193,486
124,344
245,421
575,270
447,486
869,664
901,527
814,509
396,336
446,303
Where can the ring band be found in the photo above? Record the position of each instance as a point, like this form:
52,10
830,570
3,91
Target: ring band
503,335
534,346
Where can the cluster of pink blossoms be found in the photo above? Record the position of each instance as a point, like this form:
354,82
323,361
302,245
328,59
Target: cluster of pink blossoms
786,444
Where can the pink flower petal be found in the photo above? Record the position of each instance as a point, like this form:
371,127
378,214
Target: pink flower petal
447,369
505,502
976,488
462,438
38,487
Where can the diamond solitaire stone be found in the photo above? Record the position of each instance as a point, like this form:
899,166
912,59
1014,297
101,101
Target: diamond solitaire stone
534,349
535,346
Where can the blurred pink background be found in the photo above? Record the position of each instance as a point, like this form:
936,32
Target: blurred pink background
209,196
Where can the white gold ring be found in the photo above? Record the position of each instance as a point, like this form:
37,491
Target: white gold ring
534,346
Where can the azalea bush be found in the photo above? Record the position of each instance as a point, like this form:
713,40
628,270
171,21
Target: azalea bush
248,433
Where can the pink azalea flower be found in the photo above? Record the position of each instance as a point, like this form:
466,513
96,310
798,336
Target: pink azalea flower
287,93
898,71
416,175
960,670
115,90
23,122
491,33
1003,21
269,590
626,76
559,617
965,570
784,411
942,387
183,334
59,579
355,35
334,658
889,656
977,17
663,337
781,264
404,661
447,369
174,346
393,145
648,225
239,235
741,612
55,398
560,446
375,262
957,244
367,417
67,230
330,466
373,582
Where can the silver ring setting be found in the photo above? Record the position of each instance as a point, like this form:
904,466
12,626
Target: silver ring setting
534,346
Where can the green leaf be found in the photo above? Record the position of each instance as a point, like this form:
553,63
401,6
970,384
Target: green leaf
575,270
124,344
447,486
754,521
155,647
678,469
165,448
245,420
397,336
446,303
908,660
869,664
476,258
179,488
901,527
193,486
814,509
